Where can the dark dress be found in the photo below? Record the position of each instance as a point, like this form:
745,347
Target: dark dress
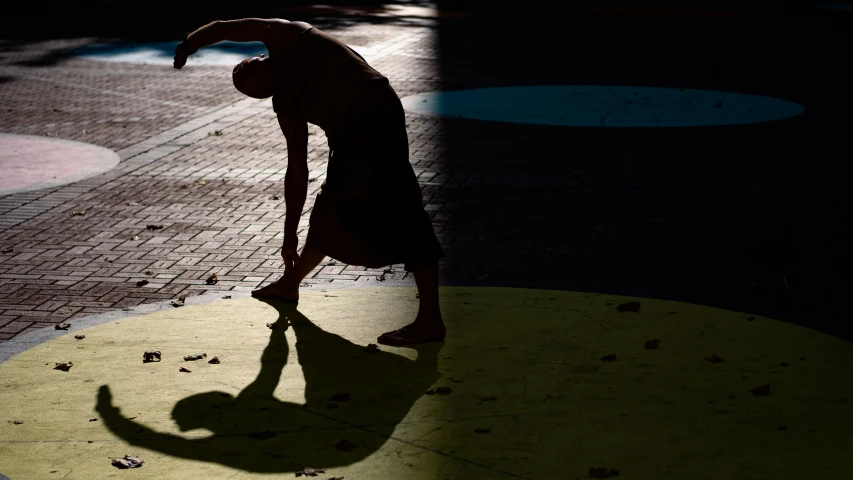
370,210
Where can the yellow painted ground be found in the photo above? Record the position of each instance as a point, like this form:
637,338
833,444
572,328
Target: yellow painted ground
525,364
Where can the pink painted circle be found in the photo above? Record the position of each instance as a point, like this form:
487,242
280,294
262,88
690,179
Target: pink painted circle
33,163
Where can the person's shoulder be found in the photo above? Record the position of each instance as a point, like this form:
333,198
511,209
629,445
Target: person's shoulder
286,31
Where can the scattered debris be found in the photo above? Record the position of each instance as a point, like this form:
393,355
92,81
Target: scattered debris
127,462
197,356
340,397
185,369
608,358
628,307
431,391
17,422
79,337
61,326
179,302
601,472
482,430
217,133
271,325
151,356
93,419
309,472
8,250
763,390
132,204
214,360
154,227
212,279
276,197
226,297
64,366
443,390
265,435
79,213
782,427
345,446
134,238
371,348
142,283
652,344
714,359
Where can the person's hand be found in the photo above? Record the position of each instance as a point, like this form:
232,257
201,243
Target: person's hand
181,55
289,254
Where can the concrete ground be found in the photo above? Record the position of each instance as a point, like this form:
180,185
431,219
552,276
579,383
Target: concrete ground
548,230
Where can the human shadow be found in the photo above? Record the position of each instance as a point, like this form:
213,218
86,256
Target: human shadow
354,399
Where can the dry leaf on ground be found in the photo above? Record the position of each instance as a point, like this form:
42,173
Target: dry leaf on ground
345,446
180,302
154,227
372,348
142,283
17,422
61,326
127,461
196,356
8,250
608,358
309,472
629,307
151,356
64,366
482,430
78,213
761,391
214,360
212,279
443,390
652,344
714,359
185,370
79,337
601,472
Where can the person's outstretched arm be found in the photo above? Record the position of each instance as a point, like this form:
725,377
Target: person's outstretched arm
242,30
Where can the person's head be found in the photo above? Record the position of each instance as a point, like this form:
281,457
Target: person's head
204,410
253,77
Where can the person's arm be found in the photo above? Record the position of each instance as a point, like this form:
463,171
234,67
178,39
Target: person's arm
295,184
242,30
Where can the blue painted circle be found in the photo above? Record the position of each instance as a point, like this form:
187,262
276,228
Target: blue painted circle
603,106
163,53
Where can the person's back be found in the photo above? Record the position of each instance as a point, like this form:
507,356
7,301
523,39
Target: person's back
318,78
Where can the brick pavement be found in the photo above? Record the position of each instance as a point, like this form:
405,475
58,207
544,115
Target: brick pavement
523,205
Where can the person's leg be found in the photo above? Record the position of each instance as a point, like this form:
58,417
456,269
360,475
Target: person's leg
286,288
428,325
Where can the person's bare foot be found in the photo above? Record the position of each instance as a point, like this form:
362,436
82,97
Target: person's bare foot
282,289
415,332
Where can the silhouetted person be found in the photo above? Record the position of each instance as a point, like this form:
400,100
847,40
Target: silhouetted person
257,432
370,211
